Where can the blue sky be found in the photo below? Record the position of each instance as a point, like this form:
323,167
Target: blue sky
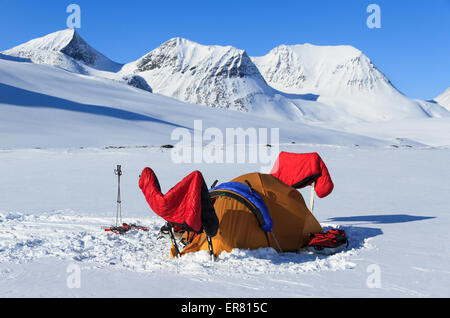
412,47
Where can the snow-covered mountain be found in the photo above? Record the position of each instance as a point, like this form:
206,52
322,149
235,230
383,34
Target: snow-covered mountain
44,106
322,70
67,50
300,82
216,76
341,77
306,83
444,99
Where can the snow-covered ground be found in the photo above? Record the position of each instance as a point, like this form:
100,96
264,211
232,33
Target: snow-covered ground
393,202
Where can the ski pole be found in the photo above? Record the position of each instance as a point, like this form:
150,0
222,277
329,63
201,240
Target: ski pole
118,173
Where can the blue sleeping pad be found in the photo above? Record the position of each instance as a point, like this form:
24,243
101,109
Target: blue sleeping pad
241,190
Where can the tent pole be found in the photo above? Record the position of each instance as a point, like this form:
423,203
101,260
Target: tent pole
276,242
210,246
174,241
311,200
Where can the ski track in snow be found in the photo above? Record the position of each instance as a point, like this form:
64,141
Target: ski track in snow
67,236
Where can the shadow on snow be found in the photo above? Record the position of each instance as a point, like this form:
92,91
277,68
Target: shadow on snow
15,96
382,218
357,237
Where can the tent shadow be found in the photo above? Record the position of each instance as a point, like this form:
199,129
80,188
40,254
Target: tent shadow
382,218
357,237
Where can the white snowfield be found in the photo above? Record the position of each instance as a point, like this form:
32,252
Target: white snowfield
393,204
63,131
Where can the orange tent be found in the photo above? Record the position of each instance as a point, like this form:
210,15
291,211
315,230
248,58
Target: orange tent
240,220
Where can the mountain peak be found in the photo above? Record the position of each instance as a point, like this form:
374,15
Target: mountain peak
339,53
444,99
183,55
64,49
212,75
55,41
178,42
323,70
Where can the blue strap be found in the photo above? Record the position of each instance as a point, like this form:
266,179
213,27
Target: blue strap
252,196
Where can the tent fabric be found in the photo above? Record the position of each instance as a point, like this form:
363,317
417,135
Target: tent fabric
186,205
239,228
302,169
244,190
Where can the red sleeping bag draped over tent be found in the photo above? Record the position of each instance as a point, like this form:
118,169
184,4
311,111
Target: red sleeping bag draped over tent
302,169
186,205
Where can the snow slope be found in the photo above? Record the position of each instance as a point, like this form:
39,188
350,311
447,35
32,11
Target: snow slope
42,106
343,80
444,98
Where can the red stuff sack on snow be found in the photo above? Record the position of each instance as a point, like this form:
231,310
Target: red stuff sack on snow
329,242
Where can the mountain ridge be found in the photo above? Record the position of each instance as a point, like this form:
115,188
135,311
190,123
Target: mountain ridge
303,82
213,75
342,76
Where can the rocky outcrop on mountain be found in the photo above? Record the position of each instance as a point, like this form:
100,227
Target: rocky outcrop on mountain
138,82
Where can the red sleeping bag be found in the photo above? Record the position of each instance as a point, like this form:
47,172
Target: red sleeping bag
302,169
186,205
